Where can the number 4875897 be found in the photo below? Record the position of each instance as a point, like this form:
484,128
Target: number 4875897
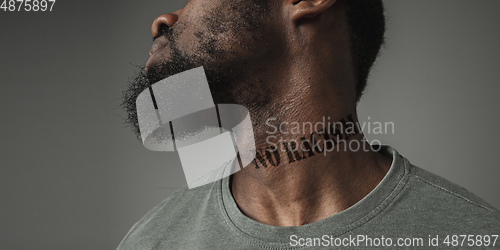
27,5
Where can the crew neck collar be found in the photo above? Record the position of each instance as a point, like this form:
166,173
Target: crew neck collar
335,225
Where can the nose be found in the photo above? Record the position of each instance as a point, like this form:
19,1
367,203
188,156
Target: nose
165,19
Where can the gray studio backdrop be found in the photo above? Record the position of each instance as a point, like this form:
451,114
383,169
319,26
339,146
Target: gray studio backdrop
73,176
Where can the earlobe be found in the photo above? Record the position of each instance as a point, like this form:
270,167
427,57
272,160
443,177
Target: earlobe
309,8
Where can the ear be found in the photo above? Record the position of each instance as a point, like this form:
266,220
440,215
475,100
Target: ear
301,9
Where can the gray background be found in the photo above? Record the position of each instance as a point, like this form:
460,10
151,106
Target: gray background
73,176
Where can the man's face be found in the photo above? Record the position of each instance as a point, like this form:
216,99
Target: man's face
230,39
211,32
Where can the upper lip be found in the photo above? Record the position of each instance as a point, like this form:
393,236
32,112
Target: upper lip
158,44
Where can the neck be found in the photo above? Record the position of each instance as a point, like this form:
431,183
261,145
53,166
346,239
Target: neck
308,165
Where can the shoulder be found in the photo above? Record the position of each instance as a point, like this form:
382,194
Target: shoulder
450,190
427,202
177,212
433,200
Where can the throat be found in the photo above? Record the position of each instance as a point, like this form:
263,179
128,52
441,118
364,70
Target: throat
305,192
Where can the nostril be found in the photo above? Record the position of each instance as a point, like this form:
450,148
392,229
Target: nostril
162,23
161,30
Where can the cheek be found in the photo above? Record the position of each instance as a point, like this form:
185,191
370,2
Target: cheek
205,30
220,26
186,29
187,41
203,40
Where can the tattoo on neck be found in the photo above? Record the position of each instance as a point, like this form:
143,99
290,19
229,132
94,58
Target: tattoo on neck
320,141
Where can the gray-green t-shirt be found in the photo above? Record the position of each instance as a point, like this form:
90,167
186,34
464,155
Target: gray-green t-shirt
409,208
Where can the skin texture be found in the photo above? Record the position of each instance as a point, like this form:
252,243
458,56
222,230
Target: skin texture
289,61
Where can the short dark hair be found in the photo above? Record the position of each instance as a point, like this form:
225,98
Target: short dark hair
366,22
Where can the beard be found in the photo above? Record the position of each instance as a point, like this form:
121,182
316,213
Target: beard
231,73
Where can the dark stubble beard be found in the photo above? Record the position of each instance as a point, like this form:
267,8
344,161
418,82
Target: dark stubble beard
230,80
